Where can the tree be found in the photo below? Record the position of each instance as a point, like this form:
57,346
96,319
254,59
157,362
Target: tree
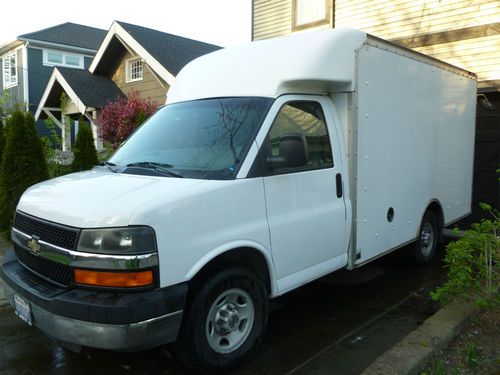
23,165
84,148
120,118
5,97
2,140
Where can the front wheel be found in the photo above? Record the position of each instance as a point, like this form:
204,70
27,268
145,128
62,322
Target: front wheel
425,247
224,322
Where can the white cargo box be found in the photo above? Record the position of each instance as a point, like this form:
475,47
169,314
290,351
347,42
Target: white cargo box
411,142
407,121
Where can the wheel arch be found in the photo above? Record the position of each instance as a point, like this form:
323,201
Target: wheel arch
241,255
436,208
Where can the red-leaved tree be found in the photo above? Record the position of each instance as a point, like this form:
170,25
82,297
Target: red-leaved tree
120,118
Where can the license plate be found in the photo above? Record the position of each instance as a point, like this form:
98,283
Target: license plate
22,308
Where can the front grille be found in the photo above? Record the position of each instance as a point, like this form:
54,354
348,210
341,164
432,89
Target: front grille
54,234
53,271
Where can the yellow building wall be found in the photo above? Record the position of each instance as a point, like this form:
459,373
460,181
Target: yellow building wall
272,18
479,55
150,86
391,19
465,33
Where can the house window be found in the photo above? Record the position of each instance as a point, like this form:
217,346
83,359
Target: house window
135,70
9,69
72,60
56,58
310,13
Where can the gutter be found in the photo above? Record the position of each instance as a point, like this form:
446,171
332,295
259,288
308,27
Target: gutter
60,46
7,47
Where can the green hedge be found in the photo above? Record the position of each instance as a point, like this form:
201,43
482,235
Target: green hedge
84,149
23,165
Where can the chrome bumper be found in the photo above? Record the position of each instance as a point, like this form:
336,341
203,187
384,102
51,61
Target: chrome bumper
120,337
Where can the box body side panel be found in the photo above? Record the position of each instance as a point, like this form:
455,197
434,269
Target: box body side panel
415,145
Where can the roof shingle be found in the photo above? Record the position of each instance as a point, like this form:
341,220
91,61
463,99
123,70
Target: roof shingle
93,90
171,51
70,34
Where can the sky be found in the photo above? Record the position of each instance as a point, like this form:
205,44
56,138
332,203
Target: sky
222,22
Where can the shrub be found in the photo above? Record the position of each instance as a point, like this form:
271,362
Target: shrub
2,140
23,165
120,118
84,148
473,264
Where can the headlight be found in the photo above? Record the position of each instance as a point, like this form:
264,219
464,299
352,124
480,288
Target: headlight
125,241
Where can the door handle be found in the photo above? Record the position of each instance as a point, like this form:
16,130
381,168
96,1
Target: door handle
338,179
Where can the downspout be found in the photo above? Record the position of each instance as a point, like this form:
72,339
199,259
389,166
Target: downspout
26,77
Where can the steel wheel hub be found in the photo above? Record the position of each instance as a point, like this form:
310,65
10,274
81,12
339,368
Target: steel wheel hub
427,239
230,320
227,319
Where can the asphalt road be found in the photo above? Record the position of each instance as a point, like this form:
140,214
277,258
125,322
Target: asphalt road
336,325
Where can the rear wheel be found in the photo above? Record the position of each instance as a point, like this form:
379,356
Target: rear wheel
424,248
224,322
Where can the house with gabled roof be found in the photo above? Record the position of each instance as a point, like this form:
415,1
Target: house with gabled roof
130,58
28,61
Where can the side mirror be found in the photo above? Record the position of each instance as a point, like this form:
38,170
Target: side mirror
292,152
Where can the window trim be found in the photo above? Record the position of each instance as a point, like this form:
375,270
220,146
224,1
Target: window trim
46,61
128,69
320,22
7,57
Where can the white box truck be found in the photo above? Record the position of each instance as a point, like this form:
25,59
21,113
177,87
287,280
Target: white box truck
271,165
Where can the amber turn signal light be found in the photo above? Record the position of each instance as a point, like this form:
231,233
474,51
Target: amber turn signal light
114,279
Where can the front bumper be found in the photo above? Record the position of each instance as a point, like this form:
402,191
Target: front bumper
124,321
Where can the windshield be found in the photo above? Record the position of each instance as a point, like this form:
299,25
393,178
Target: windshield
197,139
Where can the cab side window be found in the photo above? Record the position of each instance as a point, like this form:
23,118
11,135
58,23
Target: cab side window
304,118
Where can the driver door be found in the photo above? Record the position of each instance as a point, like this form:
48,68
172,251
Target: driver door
305,204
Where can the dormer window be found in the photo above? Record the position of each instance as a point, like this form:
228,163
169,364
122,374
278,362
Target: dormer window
9,70
135,70
57,58
310,13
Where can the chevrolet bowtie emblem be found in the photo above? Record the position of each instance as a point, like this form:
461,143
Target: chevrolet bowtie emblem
34,245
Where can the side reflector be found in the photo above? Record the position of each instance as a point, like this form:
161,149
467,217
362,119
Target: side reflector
114,279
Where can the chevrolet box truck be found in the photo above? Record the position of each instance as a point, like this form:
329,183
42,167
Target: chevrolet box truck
271,165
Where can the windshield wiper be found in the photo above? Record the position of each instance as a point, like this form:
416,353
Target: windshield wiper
109,165
158,167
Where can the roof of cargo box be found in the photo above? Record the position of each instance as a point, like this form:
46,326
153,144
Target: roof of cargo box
318,61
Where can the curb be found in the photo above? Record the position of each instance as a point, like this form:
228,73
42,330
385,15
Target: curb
410,356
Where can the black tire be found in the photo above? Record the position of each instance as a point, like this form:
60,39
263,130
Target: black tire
223,341
424,249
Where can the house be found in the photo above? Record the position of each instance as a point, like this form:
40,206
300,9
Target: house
461,32
130,58
465,33
28,61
